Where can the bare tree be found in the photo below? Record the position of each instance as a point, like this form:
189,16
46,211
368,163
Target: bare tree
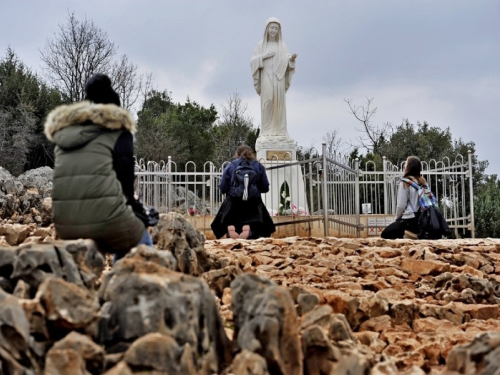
81,49
147,87
333,142
126,81
333,151
234,112
373,136
235,127
77,51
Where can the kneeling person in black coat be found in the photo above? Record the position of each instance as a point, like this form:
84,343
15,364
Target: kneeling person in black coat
243,214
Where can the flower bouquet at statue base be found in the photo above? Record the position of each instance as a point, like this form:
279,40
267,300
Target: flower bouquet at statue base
284,198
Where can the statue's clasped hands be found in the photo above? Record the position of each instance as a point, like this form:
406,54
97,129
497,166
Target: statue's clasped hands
268,55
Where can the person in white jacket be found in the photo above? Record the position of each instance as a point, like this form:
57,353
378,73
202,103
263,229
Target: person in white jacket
407,207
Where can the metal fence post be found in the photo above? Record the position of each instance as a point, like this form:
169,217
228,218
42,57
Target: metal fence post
169,184
212,188
325,193
384,168
311,200
356,196
156,187
471,194
462,183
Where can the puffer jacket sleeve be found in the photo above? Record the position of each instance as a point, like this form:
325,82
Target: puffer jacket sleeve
123,164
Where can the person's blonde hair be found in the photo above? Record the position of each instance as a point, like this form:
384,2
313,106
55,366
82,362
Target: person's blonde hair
413,170
245,152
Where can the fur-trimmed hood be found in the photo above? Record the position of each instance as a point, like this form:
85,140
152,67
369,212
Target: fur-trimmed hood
85,119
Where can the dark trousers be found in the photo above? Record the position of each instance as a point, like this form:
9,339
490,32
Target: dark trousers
397,229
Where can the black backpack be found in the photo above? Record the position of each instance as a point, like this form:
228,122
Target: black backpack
241,189
431,222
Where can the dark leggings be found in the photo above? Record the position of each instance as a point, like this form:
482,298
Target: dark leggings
397,229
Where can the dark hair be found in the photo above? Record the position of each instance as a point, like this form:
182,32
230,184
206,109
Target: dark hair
245,152
98,89
413,169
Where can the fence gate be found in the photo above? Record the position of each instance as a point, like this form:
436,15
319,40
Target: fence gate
341,199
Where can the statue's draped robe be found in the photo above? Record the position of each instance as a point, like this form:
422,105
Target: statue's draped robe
272,78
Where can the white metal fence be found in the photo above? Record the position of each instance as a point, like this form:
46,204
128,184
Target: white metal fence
350,192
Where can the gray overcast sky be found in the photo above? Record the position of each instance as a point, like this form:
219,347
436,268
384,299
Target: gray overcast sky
436,61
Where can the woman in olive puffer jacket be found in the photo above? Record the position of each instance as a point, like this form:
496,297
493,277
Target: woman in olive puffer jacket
93,186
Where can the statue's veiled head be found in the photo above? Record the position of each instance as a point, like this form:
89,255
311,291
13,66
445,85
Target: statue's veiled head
273,29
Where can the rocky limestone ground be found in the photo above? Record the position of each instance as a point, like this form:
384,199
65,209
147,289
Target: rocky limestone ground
308,306
408,301
26,199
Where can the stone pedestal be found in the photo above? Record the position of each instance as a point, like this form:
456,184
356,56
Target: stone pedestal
281,151
276,147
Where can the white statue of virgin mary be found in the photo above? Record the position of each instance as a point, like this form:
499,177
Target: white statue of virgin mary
272,69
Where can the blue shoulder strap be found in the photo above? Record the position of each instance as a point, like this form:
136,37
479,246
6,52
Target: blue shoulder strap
410,182
236,163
